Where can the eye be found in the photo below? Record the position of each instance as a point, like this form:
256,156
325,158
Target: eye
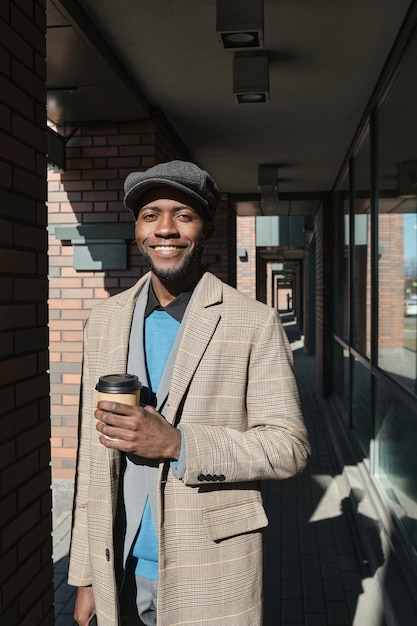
185,216
148,216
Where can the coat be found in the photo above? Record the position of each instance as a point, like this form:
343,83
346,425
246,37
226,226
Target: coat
233,392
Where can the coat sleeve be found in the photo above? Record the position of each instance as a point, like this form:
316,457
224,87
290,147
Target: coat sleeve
272,442
79,573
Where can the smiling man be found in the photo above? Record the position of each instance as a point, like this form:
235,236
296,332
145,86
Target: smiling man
171,234
168,514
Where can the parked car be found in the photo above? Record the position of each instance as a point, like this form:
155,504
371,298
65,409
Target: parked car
410,306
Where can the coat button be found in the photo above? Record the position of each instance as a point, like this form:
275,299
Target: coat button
209,477
201,478
107,554
222,477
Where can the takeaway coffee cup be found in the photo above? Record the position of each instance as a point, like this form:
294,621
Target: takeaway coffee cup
123,388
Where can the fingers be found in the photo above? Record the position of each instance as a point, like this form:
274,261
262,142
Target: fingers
117,408
138,430
114,428
120,415
115,422
125,427
124,415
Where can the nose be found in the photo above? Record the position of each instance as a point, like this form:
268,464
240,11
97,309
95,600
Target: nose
166,227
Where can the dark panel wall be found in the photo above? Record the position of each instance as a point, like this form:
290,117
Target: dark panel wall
26,591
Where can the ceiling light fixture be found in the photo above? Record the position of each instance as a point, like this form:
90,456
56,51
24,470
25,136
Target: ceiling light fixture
251,78
268,182
240,23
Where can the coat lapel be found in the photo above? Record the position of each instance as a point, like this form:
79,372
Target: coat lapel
200,325
120,323
136,363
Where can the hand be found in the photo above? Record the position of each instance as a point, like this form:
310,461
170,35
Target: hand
137,430
85,606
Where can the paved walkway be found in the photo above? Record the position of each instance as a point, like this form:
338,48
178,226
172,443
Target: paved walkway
62,493
315,570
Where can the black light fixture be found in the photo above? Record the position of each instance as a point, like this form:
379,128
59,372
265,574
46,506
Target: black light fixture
268,182
251,78
240,23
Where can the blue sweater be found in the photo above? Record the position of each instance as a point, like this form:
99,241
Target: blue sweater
160,332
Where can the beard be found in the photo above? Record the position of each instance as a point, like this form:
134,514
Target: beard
190,260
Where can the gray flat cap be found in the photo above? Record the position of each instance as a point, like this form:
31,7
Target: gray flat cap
182,175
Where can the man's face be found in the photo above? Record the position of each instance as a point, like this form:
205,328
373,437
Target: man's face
171,233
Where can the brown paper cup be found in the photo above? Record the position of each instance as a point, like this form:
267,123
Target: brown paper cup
124,398
123,388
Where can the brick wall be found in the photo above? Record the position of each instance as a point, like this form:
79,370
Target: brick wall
391,281
246,265
26,591
90,191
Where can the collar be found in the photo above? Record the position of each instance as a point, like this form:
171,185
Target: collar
176,308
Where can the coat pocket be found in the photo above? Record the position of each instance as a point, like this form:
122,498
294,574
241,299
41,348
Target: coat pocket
230,520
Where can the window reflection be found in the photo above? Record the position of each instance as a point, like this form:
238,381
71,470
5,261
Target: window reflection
397,290
397,228
375,386
397,296
361,404
341,376
397,459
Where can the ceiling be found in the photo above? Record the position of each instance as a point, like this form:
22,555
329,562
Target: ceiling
130,59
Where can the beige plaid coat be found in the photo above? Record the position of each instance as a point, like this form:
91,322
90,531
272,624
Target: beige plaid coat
234,394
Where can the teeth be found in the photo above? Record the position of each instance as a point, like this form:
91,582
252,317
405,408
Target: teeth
165,247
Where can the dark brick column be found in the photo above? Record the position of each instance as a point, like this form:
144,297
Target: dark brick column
26,590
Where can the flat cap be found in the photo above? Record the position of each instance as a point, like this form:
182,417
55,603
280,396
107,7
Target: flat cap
182,175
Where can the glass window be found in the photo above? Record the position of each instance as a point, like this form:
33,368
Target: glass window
341,276
396,456
361,404
397,227
361,251
341,376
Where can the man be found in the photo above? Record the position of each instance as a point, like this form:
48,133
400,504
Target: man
219,413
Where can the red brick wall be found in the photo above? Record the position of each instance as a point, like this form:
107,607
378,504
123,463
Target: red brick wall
391,281
246,265
91,191
26,591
